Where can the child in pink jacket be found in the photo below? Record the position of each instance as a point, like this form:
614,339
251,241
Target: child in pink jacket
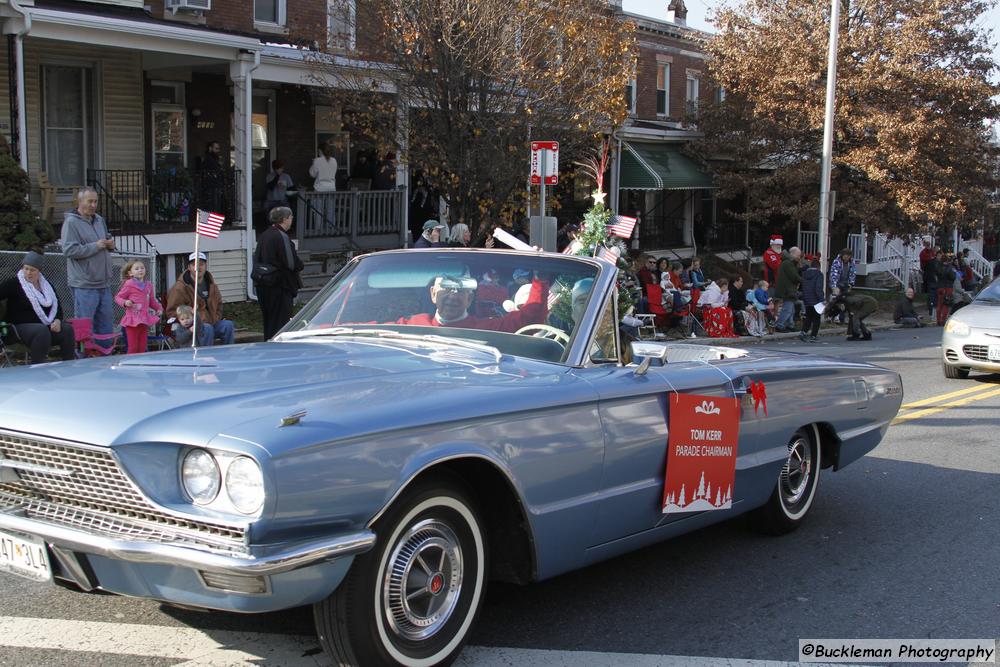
142,310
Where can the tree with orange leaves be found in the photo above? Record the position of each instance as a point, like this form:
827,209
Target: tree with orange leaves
914,93
478,81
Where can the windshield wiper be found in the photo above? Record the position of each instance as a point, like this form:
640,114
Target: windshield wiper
332,331
440,341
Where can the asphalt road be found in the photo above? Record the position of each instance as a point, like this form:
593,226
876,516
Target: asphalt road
901,544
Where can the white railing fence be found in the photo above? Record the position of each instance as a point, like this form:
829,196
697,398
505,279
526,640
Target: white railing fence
980,265
809,242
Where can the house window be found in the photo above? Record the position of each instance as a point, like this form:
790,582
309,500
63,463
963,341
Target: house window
720,95
68,126
269,11
630,95
341,17
692,93
663,89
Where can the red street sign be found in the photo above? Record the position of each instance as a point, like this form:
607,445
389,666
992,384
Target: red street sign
551,162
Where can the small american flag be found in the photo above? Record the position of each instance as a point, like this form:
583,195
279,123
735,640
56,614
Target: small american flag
605,253
209,224
622,226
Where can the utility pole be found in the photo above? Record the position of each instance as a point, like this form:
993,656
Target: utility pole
831,95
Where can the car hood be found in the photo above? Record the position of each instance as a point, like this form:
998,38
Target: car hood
244,391
980,315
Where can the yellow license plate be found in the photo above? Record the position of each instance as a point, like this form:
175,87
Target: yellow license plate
24,556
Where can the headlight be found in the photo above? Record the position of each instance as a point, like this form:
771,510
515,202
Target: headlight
956,328
245,485
200,475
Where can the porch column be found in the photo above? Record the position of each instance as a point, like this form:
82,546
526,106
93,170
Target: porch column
402,172
241,73
15,73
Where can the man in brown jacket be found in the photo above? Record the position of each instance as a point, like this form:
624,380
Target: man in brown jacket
209,300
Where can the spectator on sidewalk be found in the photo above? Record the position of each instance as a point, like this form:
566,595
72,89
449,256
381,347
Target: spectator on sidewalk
944,282
739,305
276,249
88,246
209,299
787,289
431,236
772,259
812,295
843,272
858,307
906,315
926,257
646,273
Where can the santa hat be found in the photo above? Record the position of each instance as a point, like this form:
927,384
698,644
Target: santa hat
776,239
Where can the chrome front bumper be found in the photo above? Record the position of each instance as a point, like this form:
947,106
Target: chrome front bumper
263,562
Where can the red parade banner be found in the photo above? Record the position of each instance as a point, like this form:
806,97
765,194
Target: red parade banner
701,453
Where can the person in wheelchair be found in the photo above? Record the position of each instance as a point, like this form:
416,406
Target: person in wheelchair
33,310
452,296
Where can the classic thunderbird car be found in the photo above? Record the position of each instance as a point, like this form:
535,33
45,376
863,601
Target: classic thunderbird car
411,434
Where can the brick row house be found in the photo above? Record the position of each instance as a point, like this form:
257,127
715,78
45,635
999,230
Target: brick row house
125,95
653,178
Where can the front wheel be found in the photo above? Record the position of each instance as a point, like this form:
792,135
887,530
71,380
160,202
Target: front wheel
413,598
796,487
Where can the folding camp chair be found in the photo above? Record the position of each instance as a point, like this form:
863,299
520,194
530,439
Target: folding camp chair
657,315
93,344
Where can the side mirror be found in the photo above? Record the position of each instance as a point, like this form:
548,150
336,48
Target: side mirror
647,352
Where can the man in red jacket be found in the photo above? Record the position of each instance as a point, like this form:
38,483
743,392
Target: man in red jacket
772,259
452,295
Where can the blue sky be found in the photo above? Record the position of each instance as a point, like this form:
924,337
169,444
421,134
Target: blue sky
699,9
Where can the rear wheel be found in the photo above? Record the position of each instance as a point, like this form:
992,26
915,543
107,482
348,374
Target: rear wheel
413,598
797,483
954,372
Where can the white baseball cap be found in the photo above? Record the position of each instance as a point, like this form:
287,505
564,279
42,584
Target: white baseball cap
201,257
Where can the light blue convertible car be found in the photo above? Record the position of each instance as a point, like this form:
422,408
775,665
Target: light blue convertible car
432,420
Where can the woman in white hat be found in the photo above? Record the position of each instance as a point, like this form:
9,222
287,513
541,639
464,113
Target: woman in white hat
34,313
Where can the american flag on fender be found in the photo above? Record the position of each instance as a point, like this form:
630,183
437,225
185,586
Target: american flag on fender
209,224
622,226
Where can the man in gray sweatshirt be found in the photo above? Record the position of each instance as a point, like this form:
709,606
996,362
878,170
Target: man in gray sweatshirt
87,246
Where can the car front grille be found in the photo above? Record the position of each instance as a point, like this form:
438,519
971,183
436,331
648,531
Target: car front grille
84,487
976,352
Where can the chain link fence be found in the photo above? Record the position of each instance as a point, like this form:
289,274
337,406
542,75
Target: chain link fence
53,267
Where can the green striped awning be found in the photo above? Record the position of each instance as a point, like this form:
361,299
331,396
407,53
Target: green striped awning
660,167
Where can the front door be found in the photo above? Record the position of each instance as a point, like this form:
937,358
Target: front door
169,124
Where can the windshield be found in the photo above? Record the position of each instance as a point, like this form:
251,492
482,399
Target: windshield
990,293
521,304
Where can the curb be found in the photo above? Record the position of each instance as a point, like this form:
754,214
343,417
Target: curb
754,340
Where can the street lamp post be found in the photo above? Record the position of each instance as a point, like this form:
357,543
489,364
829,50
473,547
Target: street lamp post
831,95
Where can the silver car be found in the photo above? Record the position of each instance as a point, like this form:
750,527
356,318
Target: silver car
971,339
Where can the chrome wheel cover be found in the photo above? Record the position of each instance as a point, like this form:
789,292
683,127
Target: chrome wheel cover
796,473
422,580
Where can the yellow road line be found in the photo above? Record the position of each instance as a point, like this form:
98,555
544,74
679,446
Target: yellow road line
934,399
930,411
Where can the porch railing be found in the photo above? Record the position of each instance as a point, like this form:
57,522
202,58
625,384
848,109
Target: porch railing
979,264
351,216
136,201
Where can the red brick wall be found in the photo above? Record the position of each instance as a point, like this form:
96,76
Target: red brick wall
305,19
646,71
